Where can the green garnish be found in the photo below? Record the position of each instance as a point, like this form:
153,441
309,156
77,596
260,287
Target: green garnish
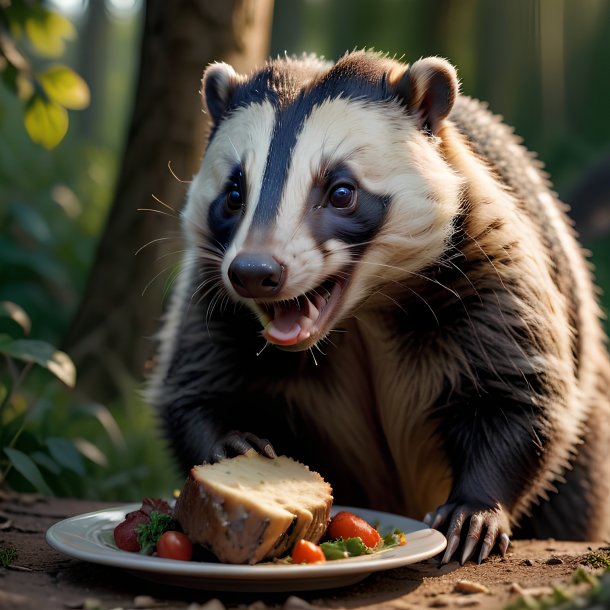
147,534
340,548
395,538
354,547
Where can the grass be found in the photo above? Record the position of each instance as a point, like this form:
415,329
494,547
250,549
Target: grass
8,554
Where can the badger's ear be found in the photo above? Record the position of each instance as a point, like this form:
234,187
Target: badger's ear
428,89
217,86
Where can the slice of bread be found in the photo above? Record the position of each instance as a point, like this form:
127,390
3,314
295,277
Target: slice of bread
251,508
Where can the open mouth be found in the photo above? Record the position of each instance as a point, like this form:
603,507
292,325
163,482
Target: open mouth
298,323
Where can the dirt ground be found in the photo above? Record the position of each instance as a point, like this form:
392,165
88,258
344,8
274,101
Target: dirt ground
40,578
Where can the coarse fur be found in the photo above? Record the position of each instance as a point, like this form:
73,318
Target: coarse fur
442,349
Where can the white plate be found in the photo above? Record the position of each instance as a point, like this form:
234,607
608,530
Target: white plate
89,537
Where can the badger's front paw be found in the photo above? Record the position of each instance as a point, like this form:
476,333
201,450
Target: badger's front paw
238,443
486,525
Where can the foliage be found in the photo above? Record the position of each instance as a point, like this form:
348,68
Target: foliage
53,443
52,440
586,590
8,554
47,93
599,559
27,351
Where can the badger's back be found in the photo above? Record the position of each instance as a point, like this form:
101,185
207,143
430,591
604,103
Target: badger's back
583,482
523,174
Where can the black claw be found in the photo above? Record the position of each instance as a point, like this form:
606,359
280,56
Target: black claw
239,443
452,545
269,451
481,518
485,550
217,454
503,544
469,547
236,443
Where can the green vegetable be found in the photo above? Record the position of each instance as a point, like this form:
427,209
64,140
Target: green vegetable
354,547
147,534
340,548
395,538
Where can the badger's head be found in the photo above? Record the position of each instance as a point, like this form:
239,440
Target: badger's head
322,187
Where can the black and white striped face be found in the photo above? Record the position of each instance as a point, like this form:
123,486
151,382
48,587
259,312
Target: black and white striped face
321,186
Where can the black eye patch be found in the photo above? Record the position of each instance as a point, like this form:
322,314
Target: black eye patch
227,209
341,209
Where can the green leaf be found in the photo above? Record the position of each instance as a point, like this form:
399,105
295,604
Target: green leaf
17,314
32,222
43,354
65,87
64,452
48,31
147,534
340,548
45,121
394,538
28,469
42,459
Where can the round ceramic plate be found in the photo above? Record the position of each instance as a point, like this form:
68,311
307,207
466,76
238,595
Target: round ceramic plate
90,537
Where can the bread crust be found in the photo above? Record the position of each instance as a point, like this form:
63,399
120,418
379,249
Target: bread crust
248,523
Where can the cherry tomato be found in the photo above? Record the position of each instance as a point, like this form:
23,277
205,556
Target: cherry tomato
305,551
347,525
175,545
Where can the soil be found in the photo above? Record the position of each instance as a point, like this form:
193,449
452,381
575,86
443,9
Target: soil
41,578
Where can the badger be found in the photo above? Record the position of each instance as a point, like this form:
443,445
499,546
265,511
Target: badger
379,281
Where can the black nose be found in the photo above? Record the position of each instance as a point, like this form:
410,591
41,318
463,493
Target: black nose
256,275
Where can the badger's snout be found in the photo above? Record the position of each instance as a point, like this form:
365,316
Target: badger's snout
256,275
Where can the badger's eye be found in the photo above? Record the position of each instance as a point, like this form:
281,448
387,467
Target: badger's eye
342,196
234,198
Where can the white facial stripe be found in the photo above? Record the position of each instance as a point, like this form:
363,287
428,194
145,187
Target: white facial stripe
244,138
368,137
388,155
334,131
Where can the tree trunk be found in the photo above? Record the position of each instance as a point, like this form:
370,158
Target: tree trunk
110,338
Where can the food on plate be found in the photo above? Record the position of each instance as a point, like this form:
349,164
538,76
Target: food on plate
134,532
305,551
347,535
347,525
251,508
174,545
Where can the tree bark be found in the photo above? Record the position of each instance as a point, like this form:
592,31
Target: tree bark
111,335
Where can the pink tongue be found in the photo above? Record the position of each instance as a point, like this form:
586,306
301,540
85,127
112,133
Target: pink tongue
291,323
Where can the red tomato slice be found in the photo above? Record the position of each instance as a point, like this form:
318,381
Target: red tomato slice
175,545
347,525
305,551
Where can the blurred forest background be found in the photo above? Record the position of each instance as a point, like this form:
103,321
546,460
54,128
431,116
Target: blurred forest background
117,127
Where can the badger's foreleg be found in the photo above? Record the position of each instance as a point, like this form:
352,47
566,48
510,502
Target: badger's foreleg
199,388
495,445
498,432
